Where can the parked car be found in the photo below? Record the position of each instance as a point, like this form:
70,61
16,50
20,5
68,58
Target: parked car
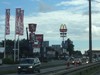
29,65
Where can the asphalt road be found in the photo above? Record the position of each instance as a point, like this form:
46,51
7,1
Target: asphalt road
43,70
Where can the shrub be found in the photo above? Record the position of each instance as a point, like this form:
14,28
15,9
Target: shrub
8,61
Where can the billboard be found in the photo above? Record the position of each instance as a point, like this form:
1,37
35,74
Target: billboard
32,37
38,40
63,28
32,27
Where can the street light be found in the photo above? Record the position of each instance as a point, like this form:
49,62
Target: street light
90,34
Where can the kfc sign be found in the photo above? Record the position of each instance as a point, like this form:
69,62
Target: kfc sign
32,27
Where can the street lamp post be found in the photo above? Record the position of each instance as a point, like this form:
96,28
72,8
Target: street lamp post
90,34
27,33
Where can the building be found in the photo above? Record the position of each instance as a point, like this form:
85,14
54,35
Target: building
56,48
95,53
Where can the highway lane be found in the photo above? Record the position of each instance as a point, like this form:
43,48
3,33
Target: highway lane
51,70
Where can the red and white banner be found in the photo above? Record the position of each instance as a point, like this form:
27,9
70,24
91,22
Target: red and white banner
7,24
17,22
21,26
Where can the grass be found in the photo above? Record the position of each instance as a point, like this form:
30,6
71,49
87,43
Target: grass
7,72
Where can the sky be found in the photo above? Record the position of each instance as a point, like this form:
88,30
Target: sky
50,14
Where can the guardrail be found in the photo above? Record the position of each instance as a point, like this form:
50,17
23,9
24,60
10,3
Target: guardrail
80,70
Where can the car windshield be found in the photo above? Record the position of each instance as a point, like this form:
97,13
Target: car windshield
26,61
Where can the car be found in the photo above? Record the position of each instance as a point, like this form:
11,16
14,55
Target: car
29,65
78,61
70,60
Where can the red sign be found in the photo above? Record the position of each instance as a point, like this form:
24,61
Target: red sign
7,25
39,40
17,23
32,27
32,37
63,28
21,26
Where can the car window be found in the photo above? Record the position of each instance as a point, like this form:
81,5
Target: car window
27,61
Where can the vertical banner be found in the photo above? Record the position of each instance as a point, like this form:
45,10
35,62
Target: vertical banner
17,23
21,26
32,27
7,24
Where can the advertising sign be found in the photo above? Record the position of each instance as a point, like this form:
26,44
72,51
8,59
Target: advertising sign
21,26
7,25
32,27
38,40
32,37
63,28
17,22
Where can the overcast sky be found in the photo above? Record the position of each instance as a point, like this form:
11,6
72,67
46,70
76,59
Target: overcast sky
50,14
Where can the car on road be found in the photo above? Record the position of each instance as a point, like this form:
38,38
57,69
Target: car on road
78,61
29,65
71,60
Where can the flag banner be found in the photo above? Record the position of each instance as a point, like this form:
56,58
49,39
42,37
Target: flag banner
32,27
21,26
7,24
17,23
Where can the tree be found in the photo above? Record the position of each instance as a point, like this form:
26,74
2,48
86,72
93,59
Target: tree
70,46
77,53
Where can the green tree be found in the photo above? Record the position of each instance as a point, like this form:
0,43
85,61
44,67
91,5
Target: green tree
70,46
77,53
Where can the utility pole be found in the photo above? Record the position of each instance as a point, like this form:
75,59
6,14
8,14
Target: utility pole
90,33
27,33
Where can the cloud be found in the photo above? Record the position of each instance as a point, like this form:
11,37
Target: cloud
44,7
48,23
72,2
95,30
6,3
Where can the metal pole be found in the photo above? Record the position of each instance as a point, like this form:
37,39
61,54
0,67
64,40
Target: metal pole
5,43
15,49
18,47
90,34
5,47
27,33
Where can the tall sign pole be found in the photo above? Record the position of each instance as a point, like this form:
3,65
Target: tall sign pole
90,34
32,37
63,33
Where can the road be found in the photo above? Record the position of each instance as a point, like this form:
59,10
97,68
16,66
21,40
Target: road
44,70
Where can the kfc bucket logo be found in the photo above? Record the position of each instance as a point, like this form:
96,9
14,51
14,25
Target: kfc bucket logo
32,27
